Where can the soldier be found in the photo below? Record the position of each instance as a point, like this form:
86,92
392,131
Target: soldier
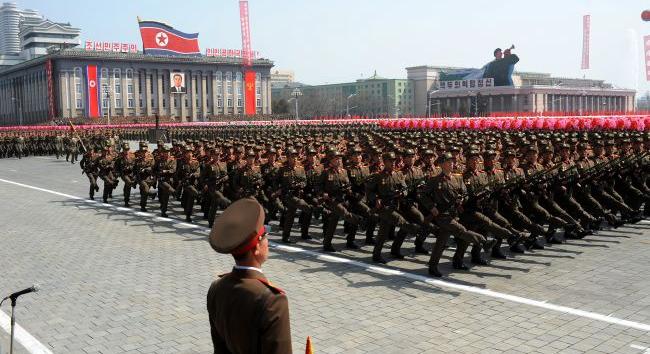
58,145
414,178
144,173
292,181
358,174
248,180
214,176
72,149
19,146
247,314
124,167
106,173
385,192
90,166
189,177
270,169
166,170
472,217
443,196
335,187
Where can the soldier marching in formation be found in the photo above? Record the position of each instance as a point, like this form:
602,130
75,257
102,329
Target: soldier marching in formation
524,189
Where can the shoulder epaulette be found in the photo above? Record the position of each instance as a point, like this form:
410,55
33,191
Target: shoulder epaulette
272,287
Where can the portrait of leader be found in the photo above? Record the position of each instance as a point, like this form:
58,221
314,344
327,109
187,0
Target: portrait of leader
178,83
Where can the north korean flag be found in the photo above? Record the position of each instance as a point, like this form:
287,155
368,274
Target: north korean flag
161,39
93,107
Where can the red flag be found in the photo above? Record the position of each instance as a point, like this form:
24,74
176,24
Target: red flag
159,38
249,82
92,99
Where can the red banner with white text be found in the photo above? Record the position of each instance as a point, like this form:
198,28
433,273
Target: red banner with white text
249,82
93,92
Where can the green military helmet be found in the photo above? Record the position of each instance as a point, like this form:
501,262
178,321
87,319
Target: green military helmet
445,157
472,153
126,147
250,153
428,152
489,154
291,152
388,156
509,153
408,152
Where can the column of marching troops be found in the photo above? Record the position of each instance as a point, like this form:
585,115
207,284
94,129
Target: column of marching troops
526,189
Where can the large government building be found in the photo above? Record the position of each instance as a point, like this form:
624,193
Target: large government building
56,86
437,92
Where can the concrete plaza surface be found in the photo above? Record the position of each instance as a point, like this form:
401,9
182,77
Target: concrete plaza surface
115,280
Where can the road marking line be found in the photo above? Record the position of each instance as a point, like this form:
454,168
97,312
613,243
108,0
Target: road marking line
23,337
411,276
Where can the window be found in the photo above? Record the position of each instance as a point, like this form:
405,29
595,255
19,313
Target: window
240,102
118,102
229,102
130,102
219,102
186,102
105,87
240,89
78,92
259,102
129,74
117,74
164,103
197,102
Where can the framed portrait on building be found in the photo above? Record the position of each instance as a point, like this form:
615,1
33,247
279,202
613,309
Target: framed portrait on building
178,83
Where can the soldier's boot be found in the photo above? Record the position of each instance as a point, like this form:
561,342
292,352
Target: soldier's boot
457,260
92,192
370,230
305,220
351,235
477,255
533,242
419,243
396,248
143,201
496,252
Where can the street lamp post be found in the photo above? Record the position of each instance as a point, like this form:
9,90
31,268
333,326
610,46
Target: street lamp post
347,107
295,94
429,94
395,108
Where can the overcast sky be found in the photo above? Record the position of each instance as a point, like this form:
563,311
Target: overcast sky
342,40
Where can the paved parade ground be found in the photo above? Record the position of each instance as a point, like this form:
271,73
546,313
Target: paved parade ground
115,280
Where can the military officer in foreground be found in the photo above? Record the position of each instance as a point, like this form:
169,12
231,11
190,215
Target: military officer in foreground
247,314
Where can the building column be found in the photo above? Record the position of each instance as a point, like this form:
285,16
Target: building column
214,94
515,103
181,101
193,96
125,95
159,92
136,92
146,97
502,103
225,94
490,99
204,96
173,106
73,95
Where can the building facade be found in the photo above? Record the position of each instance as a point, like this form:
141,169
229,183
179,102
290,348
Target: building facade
25,34
375,95
531,92
130,85
280,78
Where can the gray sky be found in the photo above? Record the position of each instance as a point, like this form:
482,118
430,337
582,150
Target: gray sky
343,40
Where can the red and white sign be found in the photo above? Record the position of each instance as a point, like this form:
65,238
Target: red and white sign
96,46
646,46
228,53
93,92
586,30
245,33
